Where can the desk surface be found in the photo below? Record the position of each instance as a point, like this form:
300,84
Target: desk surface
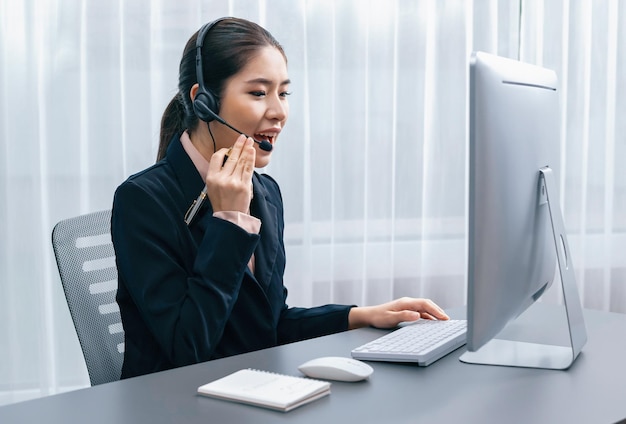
592,390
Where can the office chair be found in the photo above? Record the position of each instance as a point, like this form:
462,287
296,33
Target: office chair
86,260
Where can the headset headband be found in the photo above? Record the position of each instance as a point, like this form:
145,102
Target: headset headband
199,42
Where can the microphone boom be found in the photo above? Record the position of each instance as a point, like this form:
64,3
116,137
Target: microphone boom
263,144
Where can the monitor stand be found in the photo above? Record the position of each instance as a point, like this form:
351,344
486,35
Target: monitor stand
535,355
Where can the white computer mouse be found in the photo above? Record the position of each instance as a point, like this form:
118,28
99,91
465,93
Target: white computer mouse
336,368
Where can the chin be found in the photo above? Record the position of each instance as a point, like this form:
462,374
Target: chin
262,162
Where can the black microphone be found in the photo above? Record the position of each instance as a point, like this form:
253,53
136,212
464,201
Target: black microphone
263,144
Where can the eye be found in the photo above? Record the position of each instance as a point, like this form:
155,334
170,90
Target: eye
258,93
285,94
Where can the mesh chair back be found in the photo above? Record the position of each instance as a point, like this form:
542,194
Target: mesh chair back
86,261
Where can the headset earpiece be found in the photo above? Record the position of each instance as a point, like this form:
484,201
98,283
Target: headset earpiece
205,105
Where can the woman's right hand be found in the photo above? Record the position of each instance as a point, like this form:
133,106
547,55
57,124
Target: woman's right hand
229,187
390,314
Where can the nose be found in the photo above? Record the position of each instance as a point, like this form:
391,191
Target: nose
277,108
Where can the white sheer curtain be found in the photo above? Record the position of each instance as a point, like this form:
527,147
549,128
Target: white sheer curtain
372,164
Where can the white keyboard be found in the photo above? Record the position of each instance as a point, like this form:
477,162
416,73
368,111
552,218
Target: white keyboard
423,341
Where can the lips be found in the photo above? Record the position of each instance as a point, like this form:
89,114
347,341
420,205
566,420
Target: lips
265,137
268,135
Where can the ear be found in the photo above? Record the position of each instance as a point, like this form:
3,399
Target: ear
193,91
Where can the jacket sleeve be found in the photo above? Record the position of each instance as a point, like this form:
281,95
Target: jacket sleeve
184,297
305,323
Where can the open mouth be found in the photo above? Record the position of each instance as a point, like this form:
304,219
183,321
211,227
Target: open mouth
264,137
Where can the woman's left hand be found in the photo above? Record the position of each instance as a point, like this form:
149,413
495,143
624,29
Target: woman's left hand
390,314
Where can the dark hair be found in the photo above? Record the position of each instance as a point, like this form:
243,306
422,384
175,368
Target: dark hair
227,47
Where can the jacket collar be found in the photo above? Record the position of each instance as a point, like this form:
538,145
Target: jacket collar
191,182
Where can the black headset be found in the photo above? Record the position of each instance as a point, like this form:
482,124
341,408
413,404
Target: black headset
206,105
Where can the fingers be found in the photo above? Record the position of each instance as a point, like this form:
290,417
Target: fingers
407,316
229,179
432,311
239,159
234,153
245,166
227,158
426,315
426,308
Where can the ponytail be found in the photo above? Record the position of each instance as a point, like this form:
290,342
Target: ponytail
172,123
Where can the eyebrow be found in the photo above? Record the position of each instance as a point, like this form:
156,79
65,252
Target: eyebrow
266,81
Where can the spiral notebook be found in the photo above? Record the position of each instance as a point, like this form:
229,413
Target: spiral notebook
266,389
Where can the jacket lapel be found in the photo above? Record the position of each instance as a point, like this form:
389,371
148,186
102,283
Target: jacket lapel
265,253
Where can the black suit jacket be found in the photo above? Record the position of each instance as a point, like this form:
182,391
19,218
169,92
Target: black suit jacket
186,294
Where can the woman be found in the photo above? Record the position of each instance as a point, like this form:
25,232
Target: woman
212,285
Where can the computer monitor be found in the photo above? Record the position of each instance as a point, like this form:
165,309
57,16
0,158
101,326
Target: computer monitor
515,224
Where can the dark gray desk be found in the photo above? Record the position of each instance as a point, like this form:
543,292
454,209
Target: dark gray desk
593,390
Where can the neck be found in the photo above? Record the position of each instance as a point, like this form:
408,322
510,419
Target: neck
202,141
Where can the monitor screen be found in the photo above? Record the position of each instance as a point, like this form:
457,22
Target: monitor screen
513,133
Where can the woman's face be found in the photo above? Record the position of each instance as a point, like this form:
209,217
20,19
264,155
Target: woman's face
255,101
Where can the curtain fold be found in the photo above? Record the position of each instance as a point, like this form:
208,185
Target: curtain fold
372,163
